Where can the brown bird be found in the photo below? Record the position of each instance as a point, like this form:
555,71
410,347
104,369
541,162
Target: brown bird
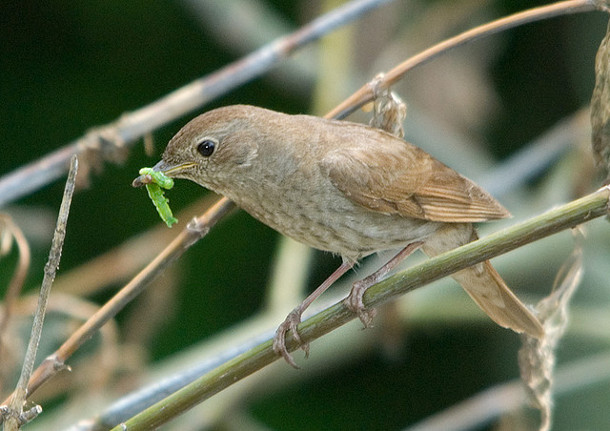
346,188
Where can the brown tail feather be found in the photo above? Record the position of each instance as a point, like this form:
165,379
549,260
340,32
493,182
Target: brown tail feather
484,285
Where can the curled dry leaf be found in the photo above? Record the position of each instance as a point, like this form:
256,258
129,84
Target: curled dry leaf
389,110
600,106
537,356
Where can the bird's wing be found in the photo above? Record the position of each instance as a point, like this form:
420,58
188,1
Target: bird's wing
389,175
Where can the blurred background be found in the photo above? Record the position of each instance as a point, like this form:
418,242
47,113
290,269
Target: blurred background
66,67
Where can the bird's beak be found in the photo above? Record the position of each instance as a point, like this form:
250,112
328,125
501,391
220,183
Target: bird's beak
171,170
167,168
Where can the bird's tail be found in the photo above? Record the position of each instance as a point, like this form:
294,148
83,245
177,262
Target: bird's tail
483,283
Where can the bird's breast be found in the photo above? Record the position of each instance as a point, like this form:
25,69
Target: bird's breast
312,211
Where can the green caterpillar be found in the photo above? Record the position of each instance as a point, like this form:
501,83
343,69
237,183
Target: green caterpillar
159,181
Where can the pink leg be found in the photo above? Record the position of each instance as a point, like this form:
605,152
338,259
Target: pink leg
294,317
354,300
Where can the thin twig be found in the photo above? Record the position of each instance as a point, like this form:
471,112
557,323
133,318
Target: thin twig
112,139
15,414
564,217
367,92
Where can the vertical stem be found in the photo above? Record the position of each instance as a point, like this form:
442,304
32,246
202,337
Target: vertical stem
14,420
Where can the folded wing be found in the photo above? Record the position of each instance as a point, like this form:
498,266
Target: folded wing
392,176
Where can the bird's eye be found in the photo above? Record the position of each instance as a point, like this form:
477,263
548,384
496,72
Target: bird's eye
206,147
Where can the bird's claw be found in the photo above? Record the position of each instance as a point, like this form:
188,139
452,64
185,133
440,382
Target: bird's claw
355,304
279,340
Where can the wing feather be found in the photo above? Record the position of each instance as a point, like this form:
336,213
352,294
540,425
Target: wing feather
389,175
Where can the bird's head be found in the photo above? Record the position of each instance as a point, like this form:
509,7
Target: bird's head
213,148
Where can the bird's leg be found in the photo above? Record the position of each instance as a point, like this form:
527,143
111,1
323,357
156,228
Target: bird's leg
294,317
354,300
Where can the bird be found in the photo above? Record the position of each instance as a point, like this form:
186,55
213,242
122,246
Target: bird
346,188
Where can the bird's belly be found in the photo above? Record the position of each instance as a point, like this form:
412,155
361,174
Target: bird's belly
338,225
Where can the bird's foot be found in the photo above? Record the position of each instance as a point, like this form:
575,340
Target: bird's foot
279,340
355,304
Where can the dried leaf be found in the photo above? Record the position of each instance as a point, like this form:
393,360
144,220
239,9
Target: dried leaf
537,356
389,109
600,106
